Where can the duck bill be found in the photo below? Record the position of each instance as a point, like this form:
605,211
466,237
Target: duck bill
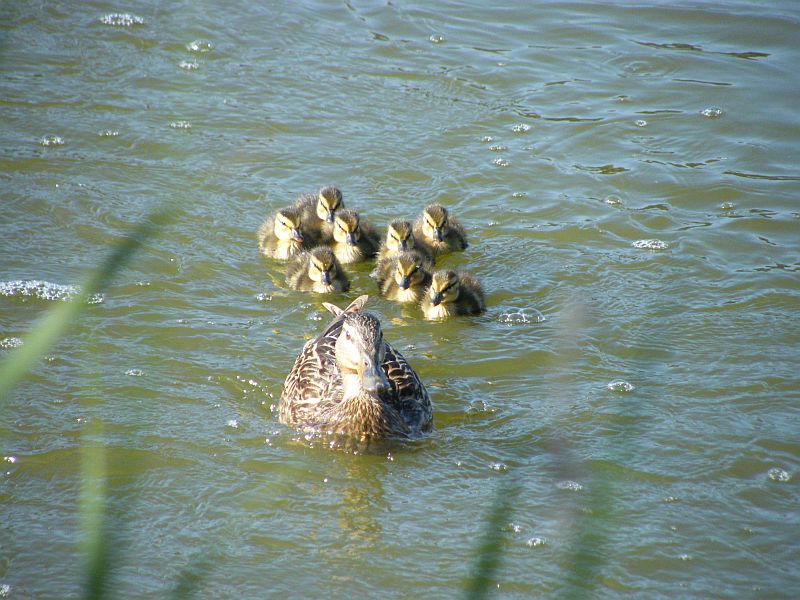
436,300
403,283
371,375
438,235
325,278
351,239
297,236
329,216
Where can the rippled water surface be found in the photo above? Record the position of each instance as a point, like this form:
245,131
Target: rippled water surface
628,177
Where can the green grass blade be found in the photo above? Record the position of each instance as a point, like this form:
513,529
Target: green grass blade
54,324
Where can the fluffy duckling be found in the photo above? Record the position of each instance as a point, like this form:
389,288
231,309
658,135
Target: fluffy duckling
281,235
354,240
403,277
400,238
438,232
350,381
452,293
317,270
319,211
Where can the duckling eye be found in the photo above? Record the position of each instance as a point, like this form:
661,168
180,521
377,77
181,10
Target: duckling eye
347,335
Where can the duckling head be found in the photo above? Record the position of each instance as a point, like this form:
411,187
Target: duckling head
434,222
287,225
445,286
328,201
323,266
360,351
346,227
398,237
408,270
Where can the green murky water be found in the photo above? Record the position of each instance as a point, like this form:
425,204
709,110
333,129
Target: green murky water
629,179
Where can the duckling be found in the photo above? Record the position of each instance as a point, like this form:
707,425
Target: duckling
354,240
319,211
350,381
281,235
399,238
403,277
452,293
439,232
317,270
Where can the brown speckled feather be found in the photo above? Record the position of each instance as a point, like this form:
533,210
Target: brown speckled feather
312,394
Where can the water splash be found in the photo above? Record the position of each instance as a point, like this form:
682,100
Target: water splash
108,133
521,128
640,123
44,290
189,65
180,125
535,542
134,372
437,38
501,162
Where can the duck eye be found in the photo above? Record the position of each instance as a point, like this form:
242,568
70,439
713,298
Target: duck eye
347,335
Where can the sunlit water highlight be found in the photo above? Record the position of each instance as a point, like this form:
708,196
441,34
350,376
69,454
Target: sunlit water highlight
628,177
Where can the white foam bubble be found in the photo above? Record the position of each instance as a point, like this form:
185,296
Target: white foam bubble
712,112
535,542
189,65
650,244
521,316
501,162
134,372
201,46
180,125
620,385
10,342
640,123
779,475
521,128
571,486
121,20
52,140
437,38
44,290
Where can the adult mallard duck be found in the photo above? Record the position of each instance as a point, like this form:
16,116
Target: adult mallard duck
400,238
319,211
317,270
349,380
281,235
354,240
438,232
403,277
452,293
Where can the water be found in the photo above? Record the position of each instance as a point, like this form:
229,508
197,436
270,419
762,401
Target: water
628,178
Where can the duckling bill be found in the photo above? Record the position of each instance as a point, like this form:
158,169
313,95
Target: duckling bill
452,293
350,380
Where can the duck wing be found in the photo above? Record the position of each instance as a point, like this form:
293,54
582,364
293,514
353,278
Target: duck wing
314,381
408,394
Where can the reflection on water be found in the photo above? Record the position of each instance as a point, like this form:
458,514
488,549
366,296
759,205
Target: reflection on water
628,179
